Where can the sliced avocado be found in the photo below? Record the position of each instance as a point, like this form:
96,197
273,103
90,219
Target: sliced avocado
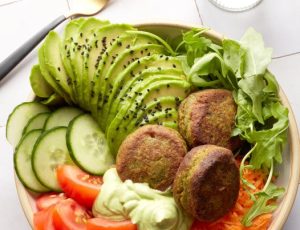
39,85
168,119
170,116
53,100
81,49
125,58
134,72
49,78
124,43
54,63
145,115
136,99
99,43
130,40
71,30
137,84
160,87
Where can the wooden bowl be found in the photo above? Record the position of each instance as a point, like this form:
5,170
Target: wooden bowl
288,170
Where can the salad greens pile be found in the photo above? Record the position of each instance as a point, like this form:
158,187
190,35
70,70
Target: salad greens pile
261,120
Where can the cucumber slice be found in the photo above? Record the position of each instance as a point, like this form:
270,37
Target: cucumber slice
38,84
37,122
22,162
62,117
50,150
19,118
88,146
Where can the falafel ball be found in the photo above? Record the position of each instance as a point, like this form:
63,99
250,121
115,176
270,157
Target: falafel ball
207,117
207,182
151,154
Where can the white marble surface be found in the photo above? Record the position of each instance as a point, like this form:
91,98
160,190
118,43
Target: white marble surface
20,20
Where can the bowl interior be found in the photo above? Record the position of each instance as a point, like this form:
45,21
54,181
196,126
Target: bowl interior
288,171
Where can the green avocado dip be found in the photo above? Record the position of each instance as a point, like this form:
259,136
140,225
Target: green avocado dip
150,209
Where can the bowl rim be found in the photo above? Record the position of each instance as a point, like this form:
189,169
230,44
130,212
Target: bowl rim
293,141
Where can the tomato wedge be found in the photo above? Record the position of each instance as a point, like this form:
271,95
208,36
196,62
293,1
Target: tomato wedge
68,215
101,223
46,200
79,185
43,220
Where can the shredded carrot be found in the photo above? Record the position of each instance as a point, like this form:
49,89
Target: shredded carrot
232,220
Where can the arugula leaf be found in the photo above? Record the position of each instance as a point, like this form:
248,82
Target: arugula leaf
261,205
208,66
257,57
272,85
244,117
253,87
234,56
270,141
196,45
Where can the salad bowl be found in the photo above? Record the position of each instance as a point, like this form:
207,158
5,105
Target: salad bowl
288,171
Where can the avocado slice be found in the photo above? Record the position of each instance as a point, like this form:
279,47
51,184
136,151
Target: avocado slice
126,58
129,40
70,31
113,55
39,85
161,118
98,44
159,87
53,100
136,85
134,72
81,48
54,63
135,99
147,114
49,78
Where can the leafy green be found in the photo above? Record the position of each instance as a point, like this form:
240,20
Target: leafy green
253,87
209,71
270,140
261,205
234,56
257,57
261,119
195,45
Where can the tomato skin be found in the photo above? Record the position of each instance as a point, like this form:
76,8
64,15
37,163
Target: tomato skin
43,220
46,200
79,185
101,223
69,215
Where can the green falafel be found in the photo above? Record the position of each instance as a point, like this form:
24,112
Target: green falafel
207,182
208,117
151,154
